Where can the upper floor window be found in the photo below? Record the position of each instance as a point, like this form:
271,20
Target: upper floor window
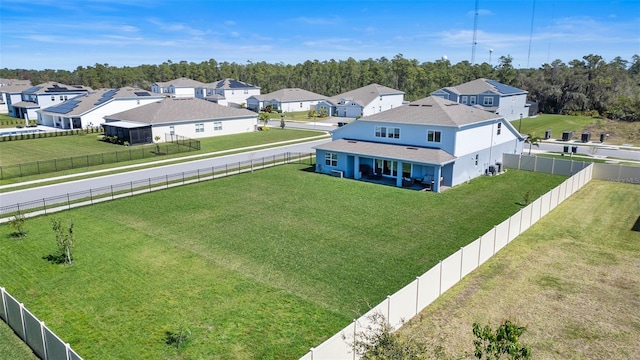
499,128
434,136
488,101
383,131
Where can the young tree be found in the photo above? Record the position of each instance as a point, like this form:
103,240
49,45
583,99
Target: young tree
532,139
505,341
65,239
282,123
264,118
18,225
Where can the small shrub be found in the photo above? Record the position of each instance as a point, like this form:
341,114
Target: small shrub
177,339
17,223
505,341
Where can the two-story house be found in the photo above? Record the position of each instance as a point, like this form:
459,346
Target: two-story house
89,110
286,100
490,95
364,101
180,88
43,96
429,139
10,92
228,92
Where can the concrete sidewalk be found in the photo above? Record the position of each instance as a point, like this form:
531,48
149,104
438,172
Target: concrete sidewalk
160,162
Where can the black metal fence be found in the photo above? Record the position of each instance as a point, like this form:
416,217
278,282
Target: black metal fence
174,145
97,195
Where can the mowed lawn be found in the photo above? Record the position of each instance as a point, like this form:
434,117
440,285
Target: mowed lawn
31,150
571,279
261,265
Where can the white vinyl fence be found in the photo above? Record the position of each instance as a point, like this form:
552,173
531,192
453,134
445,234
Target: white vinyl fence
410,300
44,343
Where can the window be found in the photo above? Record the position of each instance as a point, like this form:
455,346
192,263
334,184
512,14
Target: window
246,92
300,105
433,136
476,159
199,128
488,101
65,98
217,126
331,159
499,128
53,98
61,97
172,130
464,99
383,131
472,100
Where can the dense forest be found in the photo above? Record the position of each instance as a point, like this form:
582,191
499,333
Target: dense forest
589,85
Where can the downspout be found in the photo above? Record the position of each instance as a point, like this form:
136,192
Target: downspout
491,145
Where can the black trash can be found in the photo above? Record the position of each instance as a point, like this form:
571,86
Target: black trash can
602,136
567,135
499,167
492,169
547,134
586,137
566,148
574,149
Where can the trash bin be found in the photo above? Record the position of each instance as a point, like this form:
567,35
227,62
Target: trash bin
547,134
492,169
574,149
499,167
602,136
586,137
566,148
567,135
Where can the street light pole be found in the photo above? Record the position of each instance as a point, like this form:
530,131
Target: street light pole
520,124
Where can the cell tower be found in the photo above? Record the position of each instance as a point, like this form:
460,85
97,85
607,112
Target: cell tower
475,31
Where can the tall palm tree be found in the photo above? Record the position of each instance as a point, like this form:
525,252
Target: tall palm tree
532,139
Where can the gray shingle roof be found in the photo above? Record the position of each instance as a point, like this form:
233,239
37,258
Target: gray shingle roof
366,94
229,84
290,95
25,104
14,88
433,110
412,154
85,103
170,110
53,87
481,85
181,83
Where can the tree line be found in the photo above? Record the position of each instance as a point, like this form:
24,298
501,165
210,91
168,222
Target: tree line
586,85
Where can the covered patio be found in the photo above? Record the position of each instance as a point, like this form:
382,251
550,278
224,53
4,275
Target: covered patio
399,165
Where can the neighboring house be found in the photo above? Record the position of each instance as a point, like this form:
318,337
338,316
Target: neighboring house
43,96
181,87
89,110
286,100
364,101
189,117
228,92
489,95
10,92
429,139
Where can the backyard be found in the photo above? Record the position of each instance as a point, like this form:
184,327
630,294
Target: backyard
571,279
261,265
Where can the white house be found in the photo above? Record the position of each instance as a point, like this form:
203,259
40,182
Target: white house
43,96
286,100
364,101
189,117
228,92
181,87
89,110
431,139
490,95
11,93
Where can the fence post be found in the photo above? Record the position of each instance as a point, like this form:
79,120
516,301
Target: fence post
183,178
44,205
149,180
440,282
461,260
131,186
198,175
167,180
91,196
417,293
44,342
251,165
24,328
226,169
68,201
389,309
111,192
495,234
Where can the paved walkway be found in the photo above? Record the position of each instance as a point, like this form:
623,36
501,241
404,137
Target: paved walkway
159,162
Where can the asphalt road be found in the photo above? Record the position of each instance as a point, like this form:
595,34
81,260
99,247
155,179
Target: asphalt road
62,189
600,150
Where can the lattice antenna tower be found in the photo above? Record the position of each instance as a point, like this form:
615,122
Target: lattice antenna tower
475,32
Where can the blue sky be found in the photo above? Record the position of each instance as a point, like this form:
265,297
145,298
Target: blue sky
65,34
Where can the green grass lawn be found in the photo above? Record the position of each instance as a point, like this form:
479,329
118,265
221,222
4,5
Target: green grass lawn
556,123
571,279
24,151
261,265
11,347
